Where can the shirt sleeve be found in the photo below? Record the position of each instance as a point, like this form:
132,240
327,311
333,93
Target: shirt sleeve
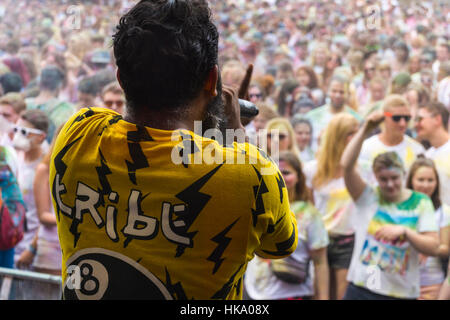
445,219
366,198
309,171
427,219
317,234
281,236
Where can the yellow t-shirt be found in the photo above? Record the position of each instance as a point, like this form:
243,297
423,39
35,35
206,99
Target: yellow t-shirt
136,222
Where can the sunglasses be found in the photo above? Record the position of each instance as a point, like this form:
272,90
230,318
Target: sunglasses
110,103
27,131
397,118
255,95
281,136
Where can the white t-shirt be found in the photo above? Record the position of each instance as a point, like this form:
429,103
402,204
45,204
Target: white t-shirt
408,149
306,155
333,200
390,269
261,284
441,158
25,179
431,272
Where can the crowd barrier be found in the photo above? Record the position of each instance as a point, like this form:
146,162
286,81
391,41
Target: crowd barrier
28,285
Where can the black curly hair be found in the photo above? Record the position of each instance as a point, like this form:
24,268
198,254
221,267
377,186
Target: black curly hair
164,50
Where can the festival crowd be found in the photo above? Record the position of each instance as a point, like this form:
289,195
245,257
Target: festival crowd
353,95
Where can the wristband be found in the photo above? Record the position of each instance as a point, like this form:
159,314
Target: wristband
32,249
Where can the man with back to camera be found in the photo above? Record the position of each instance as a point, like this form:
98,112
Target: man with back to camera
134,222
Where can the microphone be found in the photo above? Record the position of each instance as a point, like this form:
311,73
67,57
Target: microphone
248,109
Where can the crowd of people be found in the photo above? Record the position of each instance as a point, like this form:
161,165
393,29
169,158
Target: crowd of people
357,92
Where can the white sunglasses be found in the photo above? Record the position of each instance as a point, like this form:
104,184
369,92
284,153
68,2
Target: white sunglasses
26,131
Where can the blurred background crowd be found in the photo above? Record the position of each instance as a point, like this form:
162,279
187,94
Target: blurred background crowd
313,61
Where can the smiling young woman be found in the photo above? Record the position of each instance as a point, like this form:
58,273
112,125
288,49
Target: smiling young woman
423,177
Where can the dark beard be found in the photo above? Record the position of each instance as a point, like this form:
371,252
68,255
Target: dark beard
215,115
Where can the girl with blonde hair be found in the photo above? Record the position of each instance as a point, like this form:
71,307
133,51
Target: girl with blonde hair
325,177
284,140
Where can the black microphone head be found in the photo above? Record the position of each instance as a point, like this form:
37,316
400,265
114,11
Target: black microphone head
248,109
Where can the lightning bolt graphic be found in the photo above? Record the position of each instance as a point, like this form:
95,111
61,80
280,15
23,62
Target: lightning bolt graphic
61,168
139,161
271,227
225,290
102,172
189,147
281,185
258,191
114,120
195,202
176,290
283,246
223,243
80,118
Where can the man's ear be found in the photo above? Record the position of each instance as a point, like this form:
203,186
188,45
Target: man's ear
211,81
439,121
118,78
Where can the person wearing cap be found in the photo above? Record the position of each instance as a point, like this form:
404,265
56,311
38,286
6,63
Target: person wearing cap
99,59
302,105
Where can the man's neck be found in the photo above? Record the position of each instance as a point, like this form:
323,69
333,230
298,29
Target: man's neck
166,120
389,139
158,120
335,109
45,95
439,138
